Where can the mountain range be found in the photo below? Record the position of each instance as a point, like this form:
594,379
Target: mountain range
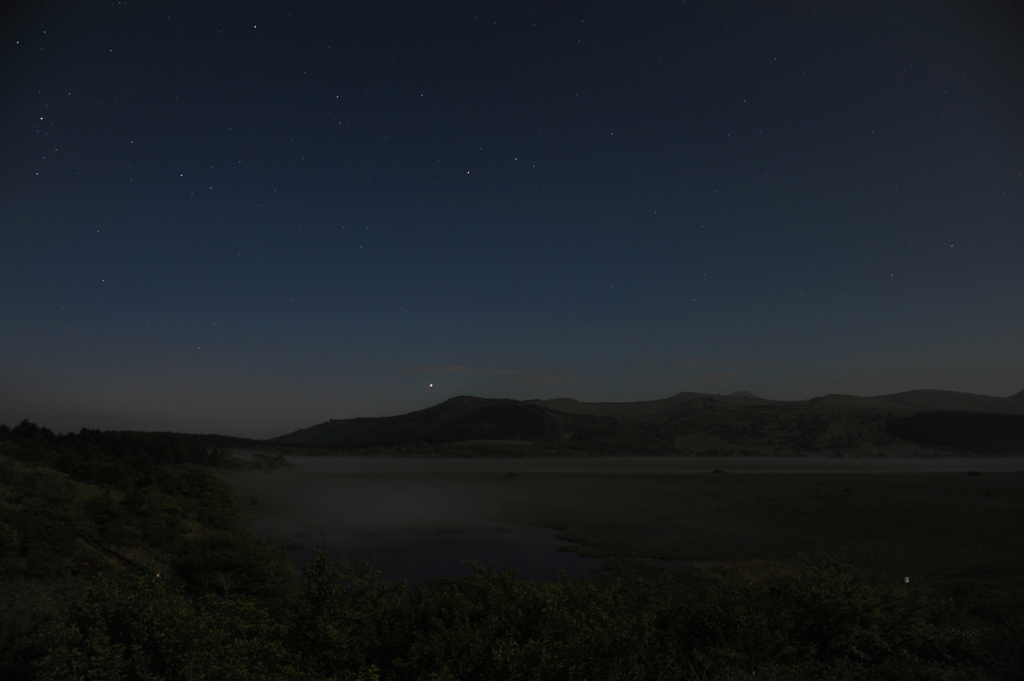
914,422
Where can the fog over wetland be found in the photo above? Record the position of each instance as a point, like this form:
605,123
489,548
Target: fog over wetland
420,518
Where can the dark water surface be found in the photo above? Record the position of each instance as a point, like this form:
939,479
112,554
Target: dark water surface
421,518
423,556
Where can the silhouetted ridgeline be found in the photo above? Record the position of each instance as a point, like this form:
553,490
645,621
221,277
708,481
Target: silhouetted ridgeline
456,420
688,423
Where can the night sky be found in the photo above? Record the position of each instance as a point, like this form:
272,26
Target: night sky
252,217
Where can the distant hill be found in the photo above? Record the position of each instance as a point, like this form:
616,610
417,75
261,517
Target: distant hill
208,441
456,420
636,409
687,423
744,393
1018,396
947,400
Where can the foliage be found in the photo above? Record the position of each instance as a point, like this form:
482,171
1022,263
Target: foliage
135,627
143,503
147,576
119,459
232,563
962,431
820,623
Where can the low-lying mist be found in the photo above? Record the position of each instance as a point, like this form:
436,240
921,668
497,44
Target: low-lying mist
419,525
420,518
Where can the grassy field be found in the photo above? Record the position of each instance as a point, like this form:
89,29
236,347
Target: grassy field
928,526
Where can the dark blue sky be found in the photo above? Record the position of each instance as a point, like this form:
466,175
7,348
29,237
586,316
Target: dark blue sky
241,219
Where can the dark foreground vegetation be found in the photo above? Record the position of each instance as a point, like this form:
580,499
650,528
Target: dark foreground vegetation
121,559
962,431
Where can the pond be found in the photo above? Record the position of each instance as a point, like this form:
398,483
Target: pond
421,518
414,519
421,556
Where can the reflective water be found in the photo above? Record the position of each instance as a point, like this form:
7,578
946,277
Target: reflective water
421,518
423,556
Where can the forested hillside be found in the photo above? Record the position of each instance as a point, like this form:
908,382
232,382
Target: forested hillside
87,503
